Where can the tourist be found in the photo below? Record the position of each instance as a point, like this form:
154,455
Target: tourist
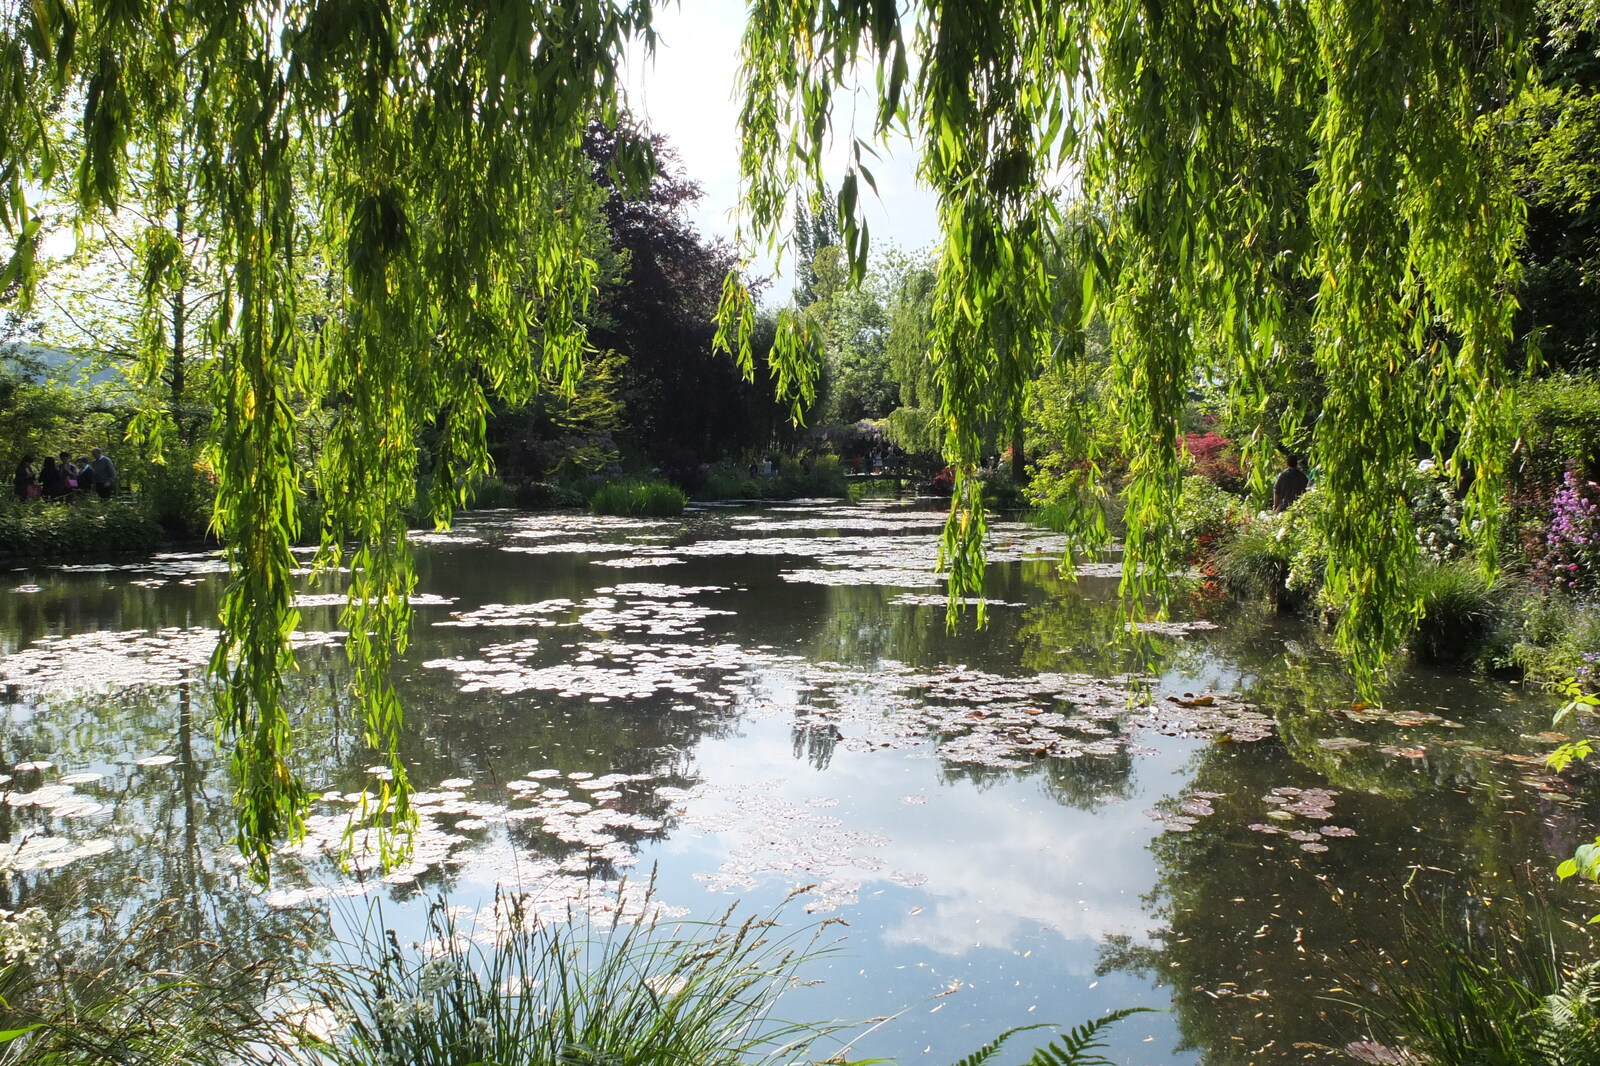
1290,484
23,481
70,469
53,480
105,475
85,476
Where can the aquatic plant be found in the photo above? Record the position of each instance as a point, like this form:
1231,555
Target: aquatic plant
638,499
530,991
1463,612
1480,994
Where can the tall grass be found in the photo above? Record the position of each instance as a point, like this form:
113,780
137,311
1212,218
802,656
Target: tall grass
638,499
536,993
150,994
1481,995
1463,613
1255,562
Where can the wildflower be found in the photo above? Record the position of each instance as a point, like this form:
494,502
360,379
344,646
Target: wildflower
23,934
435,974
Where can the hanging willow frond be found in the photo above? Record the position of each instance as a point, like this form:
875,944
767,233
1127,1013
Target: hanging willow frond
1304,178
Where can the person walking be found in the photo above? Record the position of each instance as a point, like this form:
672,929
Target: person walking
1290,485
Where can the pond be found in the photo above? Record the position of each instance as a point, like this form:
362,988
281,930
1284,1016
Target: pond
1029,822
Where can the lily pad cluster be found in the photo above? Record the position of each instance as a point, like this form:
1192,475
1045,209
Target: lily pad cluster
1288,804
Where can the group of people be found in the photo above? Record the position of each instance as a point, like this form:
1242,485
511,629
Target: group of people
62,479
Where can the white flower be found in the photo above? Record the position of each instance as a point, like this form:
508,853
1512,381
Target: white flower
435,974
23,934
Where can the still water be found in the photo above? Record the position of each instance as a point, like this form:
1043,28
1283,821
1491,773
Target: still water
1029,822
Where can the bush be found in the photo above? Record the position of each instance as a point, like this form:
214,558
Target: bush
799,478
1463,614
1207,514
1001,492
84,527
638,499
794,479
490,494
1214,458
1558,638
178,494
1256,561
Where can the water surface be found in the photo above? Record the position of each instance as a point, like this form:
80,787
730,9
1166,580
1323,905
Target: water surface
1029,822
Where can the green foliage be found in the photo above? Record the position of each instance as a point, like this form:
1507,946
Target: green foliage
654,499
1301,168
1554,128
1491,996
122,1007
808,477
1077,1047
39,529
1206,510
544,994
177,493
1256,561
1558,420
1463,614
1558,638
429,160
1585,861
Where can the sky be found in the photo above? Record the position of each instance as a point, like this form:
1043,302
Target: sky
687,93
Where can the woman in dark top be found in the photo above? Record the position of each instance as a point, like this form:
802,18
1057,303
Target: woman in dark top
22,480
53,479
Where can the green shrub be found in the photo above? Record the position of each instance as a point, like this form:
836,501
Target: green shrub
1463,613
638,499
1557,638
1001,491
810,477
819,476
1208,514
726,482
490,494
1256,561
84,527
178,494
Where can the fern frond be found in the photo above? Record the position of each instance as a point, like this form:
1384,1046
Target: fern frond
1571,1033
1077,1047
989,1050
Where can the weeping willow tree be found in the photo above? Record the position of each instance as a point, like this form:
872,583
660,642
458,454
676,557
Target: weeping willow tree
1264,181
1273,178
427,159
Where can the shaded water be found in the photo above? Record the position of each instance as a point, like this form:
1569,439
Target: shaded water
1018,824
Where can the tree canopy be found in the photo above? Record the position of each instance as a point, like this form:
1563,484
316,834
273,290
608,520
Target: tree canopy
1265,181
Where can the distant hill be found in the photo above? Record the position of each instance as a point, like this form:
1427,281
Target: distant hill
45,365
